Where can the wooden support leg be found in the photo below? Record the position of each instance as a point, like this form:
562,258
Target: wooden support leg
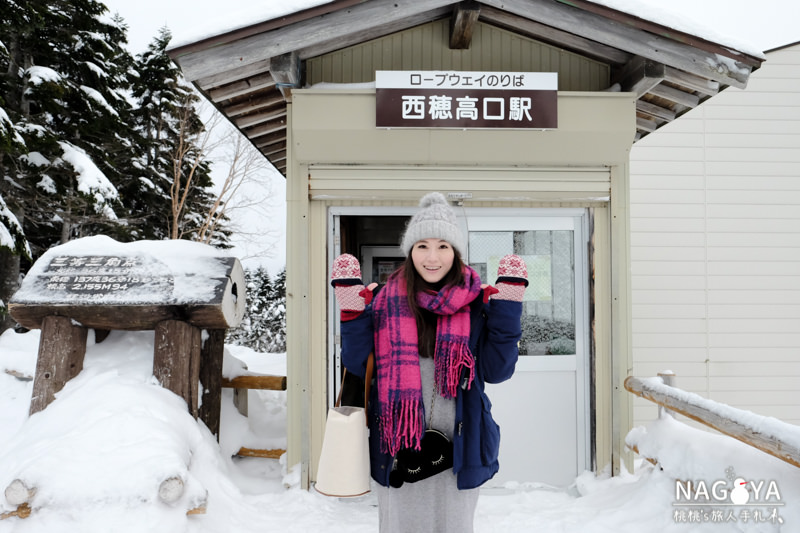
211,378
61,351
176,361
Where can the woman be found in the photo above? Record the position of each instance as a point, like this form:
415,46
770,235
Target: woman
438,335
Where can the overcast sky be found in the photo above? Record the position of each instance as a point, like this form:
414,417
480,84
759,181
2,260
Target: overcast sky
766,24
752,26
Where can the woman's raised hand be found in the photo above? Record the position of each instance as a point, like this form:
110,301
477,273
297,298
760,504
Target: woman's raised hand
512,279
351,295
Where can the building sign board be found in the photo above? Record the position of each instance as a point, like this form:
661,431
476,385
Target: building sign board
466,100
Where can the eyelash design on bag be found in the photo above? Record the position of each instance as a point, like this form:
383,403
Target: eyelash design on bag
439,461
414,470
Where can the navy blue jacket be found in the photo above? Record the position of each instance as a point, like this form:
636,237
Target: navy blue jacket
494,333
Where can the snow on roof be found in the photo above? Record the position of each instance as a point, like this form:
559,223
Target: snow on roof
259,12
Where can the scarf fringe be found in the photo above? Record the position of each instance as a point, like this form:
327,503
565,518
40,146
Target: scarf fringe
404,430
451,360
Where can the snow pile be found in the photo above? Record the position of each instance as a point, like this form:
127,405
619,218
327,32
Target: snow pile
766,426
100,453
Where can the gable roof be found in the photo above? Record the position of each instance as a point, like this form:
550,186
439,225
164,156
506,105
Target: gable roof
248,73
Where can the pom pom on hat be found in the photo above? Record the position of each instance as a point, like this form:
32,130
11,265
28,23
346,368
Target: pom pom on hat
435,220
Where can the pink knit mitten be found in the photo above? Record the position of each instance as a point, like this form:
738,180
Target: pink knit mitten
351,295
512,278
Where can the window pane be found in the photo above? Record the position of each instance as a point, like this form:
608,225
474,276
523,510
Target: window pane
548,315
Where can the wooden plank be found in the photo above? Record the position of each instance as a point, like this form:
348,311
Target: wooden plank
676,95
549,34
176,360
254,119
61,351
256,382
122,292
708,412
278,137
269,100
645,124
268,454
655,111
122,317
640,75
334,31
603,30
234,74
462,23
278,125
211,356
285,68
242,87
691,81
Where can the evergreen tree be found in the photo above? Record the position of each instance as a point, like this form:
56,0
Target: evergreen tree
172,189
62,80
64,83
264,326
276,314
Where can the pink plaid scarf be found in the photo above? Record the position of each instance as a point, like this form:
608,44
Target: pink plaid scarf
397,354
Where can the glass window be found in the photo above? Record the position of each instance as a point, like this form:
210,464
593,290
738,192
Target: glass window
548,307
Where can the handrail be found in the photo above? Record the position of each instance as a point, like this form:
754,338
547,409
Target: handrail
723,418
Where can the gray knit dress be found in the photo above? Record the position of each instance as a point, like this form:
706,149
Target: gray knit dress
434,504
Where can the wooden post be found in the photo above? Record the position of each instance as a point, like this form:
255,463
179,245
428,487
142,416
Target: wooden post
211,378
61,350
176,361
668,377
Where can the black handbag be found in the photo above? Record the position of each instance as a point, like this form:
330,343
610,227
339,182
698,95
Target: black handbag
434,456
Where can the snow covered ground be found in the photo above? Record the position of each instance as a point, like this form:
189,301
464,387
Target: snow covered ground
97,457
99,452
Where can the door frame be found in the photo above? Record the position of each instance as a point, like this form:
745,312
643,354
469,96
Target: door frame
582,365
577,220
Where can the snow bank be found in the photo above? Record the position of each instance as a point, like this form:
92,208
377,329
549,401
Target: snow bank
99,452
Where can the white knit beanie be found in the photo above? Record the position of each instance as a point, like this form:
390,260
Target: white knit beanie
436,220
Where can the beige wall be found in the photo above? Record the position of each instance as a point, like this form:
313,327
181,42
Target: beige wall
715,231
339,157
427,47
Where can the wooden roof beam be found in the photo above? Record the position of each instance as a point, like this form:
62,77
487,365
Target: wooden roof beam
240,88
676,95
645,124
690,81
234,74
462,24
254,103
655,111
271,149
640,75
346,26
265,129
273,138
259,118
549,34
639,42
285,69
277,157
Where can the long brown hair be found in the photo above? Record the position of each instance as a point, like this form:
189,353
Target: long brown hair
414,283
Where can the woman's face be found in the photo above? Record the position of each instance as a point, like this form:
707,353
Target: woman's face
432,259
